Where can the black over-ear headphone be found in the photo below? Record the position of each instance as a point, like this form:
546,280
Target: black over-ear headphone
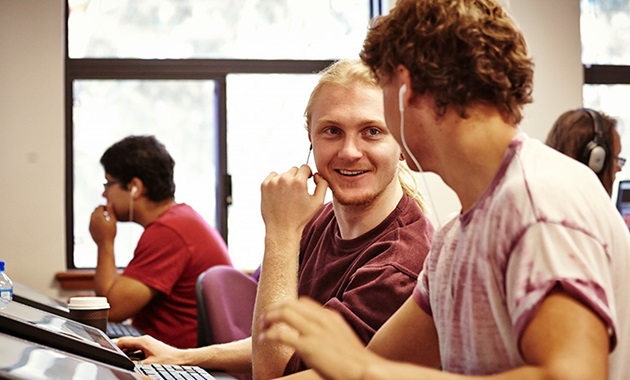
595,152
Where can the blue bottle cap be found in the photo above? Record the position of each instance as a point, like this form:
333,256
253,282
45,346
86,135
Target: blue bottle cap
1,266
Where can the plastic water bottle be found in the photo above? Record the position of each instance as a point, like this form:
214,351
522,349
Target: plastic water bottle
6,287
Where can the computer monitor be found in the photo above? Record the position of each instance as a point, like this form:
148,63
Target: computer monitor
623,200
55,331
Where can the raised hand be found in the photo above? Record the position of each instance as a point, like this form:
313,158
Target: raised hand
285,201
103,225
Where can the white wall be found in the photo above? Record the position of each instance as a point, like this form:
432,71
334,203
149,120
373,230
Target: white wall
32,224
32,227
552,31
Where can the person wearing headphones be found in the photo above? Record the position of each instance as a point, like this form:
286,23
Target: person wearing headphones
157,288
530,280
590,137
359,254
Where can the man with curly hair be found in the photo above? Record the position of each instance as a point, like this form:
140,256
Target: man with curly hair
529,281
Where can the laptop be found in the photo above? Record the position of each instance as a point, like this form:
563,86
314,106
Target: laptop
623,200
51,336
23,359
62,333
31,297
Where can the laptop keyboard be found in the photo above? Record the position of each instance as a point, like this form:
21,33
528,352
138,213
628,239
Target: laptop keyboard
174,372
117,330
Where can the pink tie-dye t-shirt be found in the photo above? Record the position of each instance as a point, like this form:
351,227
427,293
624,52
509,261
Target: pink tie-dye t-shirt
544,221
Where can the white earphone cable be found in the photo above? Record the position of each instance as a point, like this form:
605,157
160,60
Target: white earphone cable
131,207
415,161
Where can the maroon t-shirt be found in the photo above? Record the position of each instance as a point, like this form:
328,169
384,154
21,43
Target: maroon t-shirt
368,278
171,253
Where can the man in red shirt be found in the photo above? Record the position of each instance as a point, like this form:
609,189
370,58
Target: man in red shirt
157,288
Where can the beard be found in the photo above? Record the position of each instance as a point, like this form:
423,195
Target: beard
355,199
362,195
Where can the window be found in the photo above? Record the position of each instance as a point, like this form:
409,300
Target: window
180,113
605,30
237,29
222,84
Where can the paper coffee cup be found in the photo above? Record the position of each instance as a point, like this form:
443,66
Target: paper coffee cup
92,311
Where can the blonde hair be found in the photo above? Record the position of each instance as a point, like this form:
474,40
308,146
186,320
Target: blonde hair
410,186
347,72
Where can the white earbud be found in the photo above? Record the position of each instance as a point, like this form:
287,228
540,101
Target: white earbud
401,92
133,192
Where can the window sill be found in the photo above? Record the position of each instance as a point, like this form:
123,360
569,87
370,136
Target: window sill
83,279
76,279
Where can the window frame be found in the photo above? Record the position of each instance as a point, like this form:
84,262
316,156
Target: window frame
172,69
606,74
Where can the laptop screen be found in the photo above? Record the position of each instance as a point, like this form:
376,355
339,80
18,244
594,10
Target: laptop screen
623,200
62,333
31,297
21,359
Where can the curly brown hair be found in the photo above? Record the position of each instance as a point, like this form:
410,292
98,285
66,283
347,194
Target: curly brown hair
461,52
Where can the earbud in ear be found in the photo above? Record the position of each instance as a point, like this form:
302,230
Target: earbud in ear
134,190
401,92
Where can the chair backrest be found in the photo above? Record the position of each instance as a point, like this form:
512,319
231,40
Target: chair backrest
225,305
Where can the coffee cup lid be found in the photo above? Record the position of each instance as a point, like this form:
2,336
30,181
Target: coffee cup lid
80,303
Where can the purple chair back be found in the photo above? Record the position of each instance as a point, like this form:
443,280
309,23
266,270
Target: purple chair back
225,305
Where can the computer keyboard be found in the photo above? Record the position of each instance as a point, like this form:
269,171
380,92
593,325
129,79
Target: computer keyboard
174,372
117,330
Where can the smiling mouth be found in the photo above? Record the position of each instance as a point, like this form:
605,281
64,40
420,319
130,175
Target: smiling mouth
350,173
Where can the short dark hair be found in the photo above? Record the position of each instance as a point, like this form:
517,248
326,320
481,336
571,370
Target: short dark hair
461,52
143,157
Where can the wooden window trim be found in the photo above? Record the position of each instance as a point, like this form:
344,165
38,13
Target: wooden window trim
83,279
76,279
